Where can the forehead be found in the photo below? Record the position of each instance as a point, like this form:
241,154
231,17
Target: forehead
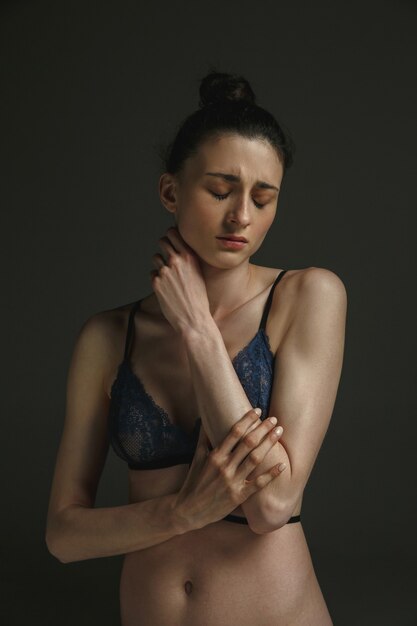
250,159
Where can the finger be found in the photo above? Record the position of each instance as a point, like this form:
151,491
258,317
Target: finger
252,486
174,236
166,244
251,440
257,454
236,433
158,260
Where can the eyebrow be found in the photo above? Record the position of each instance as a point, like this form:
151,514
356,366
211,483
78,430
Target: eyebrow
236,179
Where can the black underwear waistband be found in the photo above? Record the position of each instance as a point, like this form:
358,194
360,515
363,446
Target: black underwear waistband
242,520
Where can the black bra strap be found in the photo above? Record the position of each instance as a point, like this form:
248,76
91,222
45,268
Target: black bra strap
135,306
130,329
269,300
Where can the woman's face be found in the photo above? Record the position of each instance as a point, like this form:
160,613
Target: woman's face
246,175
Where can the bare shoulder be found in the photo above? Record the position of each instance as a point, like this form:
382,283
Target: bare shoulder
322,290
102,335
313,282
318,311
306,296
323,278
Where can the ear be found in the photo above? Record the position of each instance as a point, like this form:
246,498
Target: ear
168,192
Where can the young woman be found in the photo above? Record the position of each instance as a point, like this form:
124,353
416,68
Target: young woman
212,534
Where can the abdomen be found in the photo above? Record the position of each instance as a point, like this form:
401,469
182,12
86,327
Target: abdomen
222,575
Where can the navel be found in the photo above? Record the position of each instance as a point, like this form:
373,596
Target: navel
188,586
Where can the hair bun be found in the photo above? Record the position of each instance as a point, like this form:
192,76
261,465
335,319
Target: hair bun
218,87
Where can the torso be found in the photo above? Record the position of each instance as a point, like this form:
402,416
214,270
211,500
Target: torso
206,577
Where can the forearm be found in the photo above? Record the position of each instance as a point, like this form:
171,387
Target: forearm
220,397
79,532
221,402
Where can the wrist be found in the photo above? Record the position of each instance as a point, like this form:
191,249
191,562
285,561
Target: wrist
195,331
180,521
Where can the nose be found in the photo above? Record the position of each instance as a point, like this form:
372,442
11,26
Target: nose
240,212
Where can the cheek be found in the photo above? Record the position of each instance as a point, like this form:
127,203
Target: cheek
197,220
190,229
264,225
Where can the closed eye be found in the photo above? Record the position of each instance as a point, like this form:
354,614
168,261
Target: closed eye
223,196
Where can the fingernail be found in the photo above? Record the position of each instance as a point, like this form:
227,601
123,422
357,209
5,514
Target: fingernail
258,412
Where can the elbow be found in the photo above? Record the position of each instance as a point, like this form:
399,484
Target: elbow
54,548
57,545
272,517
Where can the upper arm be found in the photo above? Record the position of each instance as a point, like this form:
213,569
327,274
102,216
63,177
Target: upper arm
306,378
84,443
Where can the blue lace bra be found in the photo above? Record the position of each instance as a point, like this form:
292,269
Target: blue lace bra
141,432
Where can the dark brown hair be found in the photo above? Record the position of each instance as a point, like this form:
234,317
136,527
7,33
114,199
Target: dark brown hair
227,105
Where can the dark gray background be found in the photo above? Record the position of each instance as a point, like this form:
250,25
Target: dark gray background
89,91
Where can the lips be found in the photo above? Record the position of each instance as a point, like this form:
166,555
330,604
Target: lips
233,238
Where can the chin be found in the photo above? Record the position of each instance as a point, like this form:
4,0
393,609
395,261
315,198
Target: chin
227,263
221,260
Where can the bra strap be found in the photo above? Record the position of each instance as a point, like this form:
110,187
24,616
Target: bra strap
130,329
269,300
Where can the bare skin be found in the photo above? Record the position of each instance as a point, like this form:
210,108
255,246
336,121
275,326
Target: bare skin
177,571
183,580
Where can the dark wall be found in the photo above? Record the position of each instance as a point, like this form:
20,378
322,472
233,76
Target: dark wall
89,92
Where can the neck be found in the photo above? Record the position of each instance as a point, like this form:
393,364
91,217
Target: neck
227,288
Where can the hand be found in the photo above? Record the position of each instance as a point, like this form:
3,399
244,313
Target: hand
217,481
179,284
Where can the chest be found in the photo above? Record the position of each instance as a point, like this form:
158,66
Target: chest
143,431
165,385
